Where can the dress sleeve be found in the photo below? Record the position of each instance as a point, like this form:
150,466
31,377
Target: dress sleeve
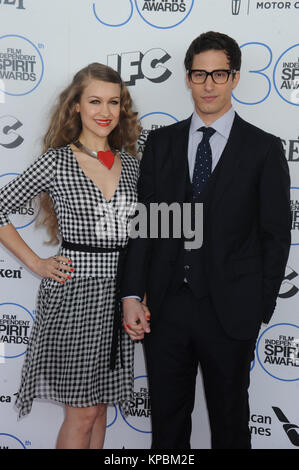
37,178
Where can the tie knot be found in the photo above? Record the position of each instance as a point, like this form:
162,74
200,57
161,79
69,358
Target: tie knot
207,132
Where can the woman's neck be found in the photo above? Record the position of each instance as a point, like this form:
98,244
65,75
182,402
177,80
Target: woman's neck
94,143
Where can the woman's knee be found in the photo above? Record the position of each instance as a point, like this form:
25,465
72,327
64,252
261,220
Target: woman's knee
82,419
102,410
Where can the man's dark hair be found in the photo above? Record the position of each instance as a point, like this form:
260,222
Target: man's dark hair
214,41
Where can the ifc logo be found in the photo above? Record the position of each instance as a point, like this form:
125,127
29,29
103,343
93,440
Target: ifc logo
161,14
137,65
10,139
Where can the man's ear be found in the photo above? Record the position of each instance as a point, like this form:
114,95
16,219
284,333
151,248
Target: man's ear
236,79
188,80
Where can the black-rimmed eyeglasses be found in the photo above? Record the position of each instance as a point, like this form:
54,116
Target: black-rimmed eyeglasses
218,76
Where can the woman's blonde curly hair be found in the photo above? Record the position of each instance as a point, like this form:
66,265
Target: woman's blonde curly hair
65,126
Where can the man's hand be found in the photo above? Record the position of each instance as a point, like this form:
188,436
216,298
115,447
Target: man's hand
135,319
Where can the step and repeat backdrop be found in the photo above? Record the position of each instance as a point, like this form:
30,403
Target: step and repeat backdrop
42,44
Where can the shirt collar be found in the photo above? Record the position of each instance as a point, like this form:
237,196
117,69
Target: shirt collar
223,125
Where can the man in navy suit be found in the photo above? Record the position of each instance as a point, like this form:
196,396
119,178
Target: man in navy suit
207,304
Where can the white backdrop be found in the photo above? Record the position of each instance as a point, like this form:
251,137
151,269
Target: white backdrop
42,44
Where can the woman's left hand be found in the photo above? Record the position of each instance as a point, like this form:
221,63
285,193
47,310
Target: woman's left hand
137,332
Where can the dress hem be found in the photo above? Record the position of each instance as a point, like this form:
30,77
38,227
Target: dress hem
123,403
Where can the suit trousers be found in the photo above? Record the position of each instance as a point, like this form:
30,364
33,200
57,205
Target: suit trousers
187,334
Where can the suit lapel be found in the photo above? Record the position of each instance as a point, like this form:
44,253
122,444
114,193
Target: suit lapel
228,161
180,166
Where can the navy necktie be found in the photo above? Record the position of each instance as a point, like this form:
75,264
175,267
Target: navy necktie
203,162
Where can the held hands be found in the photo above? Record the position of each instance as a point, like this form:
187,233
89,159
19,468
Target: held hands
54,268
136,318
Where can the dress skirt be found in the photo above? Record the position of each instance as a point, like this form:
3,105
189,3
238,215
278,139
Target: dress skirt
68,356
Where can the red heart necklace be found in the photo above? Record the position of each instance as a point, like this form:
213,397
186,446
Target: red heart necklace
106,158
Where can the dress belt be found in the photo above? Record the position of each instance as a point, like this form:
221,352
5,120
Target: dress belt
89,248
117,323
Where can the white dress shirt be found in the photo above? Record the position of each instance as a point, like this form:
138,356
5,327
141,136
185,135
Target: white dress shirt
218,140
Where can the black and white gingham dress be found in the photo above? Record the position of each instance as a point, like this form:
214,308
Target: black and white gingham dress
68,354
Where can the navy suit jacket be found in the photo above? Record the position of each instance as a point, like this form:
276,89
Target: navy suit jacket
247,225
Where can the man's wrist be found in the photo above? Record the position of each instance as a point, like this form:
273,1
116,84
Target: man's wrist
132,297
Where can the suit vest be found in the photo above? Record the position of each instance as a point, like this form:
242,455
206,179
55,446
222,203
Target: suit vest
192,264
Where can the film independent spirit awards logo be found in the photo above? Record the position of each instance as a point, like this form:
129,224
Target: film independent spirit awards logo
286,75
16,322
161,14
21,65
295,215
152,121
139,416
8,441
23,216
277,351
